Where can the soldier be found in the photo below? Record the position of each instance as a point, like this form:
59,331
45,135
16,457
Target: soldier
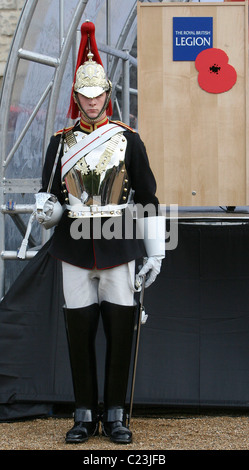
100,165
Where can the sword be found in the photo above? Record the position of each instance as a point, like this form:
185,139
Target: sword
55,162
42,200
138,327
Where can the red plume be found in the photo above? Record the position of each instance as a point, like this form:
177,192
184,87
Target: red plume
87,36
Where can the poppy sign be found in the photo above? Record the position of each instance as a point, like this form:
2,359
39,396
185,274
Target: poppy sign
216,75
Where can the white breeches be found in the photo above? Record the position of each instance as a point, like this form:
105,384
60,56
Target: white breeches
83,287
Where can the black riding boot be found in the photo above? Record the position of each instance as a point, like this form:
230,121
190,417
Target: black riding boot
81,326
118,322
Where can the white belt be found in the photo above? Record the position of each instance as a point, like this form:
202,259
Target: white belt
80,210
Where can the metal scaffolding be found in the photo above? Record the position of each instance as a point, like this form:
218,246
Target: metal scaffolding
34,102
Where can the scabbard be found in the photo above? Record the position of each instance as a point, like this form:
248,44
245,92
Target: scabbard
138,327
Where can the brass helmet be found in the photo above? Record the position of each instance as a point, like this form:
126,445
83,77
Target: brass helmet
90,78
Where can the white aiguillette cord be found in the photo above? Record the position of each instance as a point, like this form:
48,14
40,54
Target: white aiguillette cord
23,248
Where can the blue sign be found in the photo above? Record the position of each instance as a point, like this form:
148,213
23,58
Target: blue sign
191,36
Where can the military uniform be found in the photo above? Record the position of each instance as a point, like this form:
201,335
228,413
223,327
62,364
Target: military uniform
102,253
101,170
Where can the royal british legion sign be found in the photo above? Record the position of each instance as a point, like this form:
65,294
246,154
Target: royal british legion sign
191,35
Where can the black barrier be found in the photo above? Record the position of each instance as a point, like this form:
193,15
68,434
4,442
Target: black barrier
193,348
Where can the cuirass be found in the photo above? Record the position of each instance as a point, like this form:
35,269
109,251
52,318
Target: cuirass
98,179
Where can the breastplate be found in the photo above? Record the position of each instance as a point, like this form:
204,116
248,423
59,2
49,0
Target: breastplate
98,183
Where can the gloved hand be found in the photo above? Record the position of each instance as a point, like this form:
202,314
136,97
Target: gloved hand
150,269
48,210
45,214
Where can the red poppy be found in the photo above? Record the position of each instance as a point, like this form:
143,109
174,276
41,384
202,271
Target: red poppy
216,75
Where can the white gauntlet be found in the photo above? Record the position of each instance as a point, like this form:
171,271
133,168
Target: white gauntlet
152,229
48,210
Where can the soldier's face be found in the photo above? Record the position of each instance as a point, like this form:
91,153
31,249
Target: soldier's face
93,106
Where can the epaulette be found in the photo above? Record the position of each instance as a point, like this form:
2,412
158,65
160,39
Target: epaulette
63,130
122,124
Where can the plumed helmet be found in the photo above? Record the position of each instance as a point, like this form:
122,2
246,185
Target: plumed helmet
89,79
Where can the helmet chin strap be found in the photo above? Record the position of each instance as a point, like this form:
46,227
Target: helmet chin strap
89,119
